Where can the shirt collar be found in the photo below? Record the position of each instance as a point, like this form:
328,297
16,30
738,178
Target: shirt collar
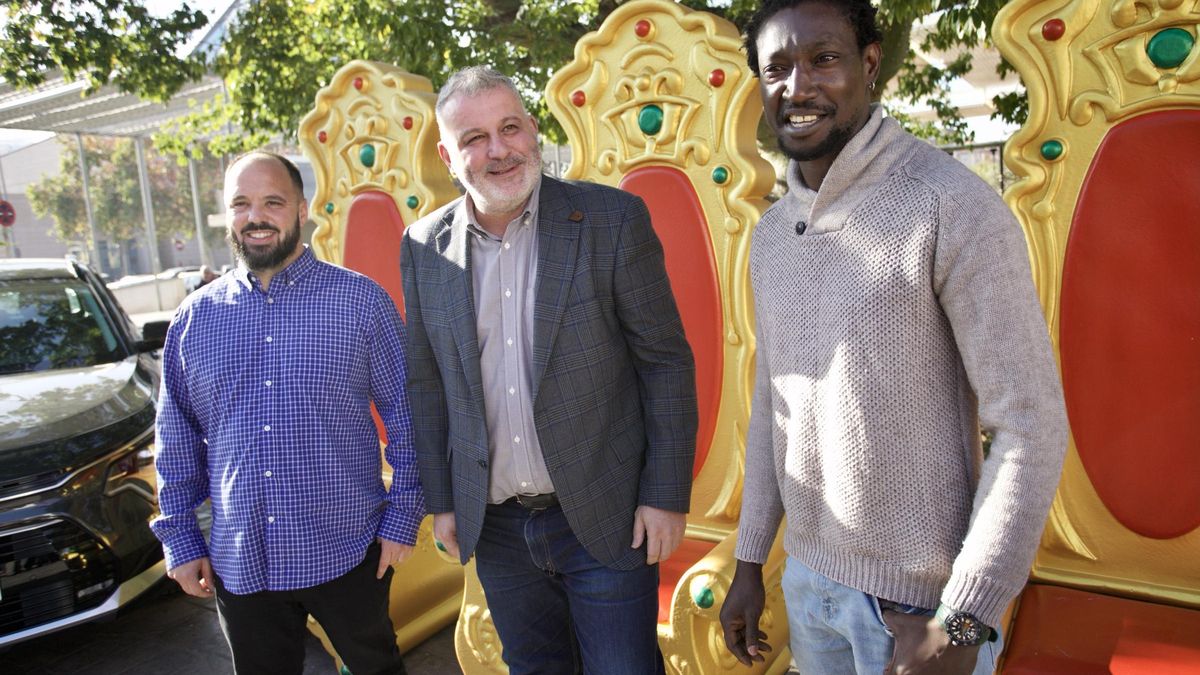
295,271
528,216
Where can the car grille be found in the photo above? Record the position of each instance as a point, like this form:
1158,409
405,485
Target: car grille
51,570
27,484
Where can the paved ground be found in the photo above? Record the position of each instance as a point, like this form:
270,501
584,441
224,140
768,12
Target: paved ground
174,634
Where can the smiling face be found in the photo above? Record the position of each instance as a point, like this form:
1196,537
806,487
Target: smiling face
814,83
263,211
490,143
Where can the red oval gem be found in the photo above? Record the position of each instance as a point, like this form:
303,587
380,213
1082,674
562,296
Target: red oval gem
407,123
358,83
642,28
322,136
1054,29
578,98
716,78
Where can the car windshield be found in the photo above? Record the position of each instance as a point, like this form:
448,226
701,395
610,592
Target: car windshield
47,324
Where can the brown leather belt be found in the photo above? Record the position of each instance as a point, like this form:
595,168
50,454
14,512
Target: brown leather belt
536,502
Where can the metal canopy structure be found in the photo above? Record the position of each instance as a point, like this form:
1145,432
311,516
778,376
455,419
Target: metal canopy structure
66,107
62,107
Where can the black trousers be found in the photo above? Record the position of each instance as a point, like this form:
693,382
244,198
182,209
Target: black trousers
266,630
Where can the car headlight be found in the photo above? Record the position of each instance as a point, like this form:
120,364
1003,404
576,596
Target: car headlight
133,470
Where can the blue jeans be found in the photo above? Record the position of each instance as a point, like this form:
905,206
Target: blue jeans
836,629
557,610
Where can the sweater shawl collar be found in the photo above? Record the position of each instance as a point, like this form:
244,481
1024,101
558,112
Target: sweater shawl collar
872,154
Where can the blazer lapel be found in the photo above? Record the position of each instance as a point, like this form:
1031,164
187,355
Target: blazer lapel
460,298
558,242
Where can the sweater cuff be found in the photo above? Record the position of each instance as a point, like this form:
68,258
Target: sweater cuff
980,596
754,545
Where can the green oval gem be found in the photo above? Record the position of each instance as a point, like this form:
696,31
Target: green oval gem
650,120
329,208
344,670
440,546
720,175
366,155
1052,150
703,598
1168,48
412,201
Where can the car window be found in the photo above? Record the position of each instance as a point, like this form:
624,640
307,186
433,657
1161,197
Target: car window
52,324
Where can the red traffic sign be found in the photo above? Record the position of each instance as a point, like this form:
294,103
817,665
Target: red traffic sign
8,215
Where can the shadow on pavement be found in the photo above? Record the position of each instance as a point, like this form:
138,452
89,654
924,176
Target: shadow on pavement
166,631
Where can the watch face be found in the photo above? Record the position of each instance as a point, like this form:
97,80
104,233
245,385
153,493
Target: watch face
964,629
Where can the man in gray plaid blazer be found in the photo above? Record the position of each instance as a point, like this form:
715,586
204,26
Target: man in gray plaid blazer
552,389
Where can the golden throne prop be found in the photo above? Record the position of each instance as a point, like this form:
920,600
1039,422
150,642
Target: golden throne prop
1109,195
659,102
372,142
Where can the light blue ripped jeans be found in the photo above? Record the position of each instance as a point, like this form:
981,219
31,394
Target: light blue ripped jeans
838,630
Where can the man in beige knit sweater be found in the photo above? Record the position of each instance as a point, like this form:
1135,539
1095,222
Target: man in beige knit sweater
896,318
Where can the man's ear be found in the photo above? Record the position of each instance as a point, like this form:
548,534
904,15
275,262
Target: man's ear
872,56
304,215
444,154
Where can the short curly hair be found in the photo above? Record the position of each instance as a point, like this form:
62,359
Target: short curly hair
859,13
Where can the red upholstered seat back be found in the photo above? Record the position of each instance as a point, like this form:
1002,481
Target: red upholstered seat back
1131,323
374,229
680,224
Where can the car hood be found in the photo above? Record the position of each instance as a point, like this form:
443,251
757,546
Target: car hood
62,419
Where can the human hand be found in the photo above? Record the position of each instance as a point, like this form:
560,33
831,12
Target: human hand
391,553
923,647
195,577
741,611
446,531
661,530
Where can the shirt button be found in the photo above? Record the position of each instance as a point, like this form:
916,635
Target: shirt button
507,293
269,338
517,440
270,301
507,245
509,342
524,484
291,283
270,519
512,390
268,383
267,427
267,473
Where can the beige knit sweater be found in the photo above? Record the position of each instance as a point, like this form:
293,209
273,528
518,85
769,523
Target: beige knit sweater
902,320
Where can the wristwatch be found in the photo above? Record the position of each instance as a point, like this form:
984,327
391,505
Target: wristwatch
962,627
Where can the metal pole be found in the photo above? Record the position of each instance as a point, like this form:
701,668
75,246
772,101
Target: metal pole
205,256
148,209
94,253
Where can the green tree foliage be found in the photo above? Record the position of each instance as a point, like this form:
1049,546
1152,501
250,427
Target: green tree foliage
100,42
115,190
279,52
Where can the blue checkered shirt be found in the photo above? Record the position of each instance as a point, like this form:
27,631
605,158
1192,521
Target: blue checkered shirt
265,410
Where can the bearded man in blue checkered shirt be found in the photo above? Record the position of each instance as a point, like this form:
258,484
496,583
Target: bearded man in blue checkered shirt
268,377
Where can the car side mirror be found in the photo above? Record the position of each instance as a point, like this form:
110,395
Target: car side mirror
154,336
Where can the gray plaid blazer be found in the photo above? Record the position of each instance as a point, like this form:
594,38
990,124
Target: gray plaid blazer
614,380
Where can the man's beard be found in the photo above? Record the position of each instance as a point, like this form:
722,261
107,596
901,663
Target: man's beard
257,259
837,139
492,198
